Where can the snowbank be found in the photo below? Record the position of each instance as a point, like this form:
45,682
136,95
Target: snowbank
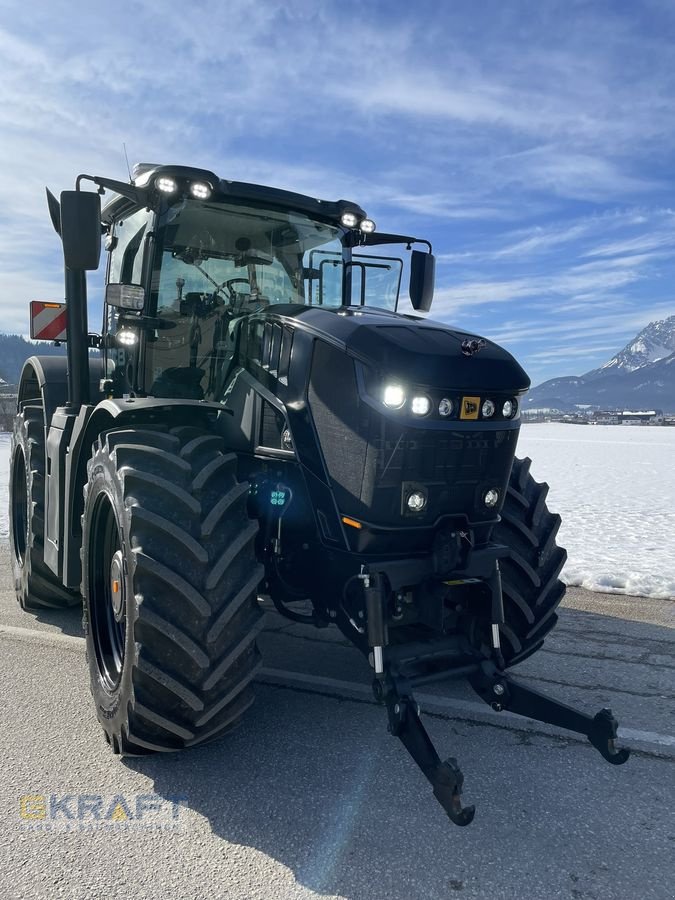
614,488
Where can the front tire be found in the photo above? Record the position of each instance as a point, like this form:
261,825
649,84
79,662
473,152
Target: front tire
532,589
170,587
36,586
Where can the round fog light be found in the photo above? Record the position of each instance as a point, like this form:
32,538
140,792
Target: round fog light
491,497
416,501
509,409
394,396
421,406
445,407
488,409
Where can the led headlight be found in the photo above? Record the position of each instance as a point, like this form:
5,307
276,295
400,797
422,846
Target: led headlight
393,396
126,337
200,190
367,226
416,501
491,498
349,219
509,409
166,185
421,406
487,409
445,407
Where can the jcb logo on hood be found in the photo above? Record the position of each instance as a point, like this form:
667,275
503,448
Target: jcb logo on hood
469,408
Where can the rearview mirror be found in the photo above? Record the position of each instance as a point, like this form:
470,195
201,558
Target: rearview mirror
81,229
125,296
422,277
254,258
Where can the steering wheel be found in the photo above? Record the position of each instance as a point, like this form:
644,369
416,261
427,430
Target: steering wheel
228,286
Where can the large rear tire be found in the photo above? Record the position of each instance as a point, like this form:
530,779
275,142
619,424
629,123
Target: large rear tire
170,584
37,587
531,587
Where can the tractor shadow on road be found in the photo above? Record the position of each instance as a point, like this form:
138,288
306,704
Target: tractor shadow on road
68,621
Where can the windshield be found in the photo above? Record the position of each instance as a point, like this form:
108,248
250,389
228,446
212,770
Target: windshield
215,263
218,262
244,257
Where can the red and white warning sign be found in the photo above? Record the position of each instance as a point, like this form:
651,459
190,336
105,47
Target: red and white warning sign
47,321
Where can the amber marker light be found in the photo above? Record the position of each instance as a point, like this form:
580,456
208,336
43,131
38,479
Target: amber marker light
351,522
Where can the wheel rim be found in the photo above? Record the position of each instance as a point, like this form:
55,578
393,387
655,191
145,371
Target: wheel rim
19,506
107,594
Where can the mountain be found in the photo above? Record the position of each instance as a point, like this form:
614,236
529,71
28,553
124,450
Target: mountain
15,350
641,376
653,343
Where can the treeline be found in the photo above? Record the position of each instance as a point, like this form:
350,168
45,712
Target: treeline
15,350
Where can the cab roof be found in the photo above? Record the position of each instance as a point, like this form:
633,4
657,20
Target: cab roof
143,191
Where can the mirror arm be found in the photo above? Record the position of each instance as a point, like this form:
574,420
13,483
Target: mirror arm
355,239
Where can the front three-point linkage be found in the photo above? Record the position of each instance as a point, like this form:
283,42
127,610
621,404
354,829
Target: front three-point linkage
404,720
502,691
493,685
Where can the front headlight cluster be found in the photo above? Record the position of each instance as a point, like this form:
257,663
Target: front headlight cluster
395,396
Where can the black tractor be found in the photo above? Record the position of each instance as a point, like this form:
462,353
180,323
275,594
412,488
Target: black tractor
257,423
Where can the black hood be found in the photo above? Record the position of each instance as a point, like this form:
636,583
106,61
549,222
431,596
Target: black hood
415,350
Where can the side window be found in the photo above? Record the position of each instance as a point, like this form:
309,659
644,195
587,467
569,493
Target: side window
126,262
325,277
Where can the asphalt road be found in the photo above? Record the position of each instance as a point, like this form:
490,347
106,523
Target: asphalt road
312,798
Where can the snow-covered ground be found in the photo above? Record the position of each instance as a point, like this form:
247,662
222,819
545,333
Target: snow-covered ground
614,487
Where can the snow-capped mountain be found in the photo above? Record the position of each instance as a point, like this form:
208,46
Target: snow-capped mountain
653,343
642,375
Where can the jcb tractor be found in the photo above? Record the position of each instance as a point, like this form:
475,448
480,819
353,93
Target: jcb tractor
256,420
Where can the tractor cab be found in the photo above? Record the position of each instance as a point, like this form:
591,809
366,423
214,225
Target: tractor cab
193,256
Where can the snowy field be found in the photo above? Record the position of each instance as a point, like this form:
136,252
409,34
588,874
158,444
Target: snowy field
614,487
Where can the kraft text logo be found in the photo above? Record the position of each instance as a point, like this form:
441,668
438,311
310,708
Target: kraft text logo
84,812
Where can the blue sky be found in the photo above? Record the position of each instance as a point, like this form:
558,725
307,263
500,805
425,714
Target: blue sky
532,142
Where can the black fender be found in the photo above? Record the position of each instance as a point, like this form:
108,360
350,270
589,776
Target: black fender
45,378
44,381
78,435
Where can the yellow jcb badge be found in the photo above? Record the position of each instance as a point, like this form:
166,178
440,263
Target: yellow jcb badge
469,408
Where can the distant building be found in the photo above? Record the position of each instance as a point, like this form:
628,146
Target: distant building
606,417
641,417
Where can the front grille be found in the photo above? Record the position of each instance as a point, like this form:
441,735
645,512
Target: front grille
369,457
333,399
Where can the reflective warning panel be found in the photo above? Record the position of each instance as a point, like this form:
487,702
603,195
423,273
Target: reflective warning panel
469,409
47,321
